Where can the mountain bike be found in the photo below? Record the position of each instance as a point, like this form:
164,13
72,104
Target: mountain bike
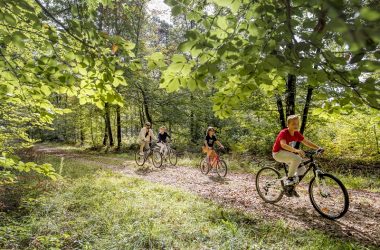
216,163
170,154
149,152
327,193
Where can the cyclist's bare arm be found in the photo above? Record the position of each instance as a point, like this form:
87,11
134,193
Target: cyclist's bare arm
219,144
291,149
310,144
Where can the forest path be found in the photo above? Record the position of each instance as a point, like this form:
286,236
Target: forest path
238,190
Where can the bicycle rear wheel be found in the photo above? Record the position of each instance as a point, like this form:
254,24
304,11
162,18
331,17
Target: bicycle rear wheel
172,157
204,166
328,196
269,185
221,168
140,159
156,158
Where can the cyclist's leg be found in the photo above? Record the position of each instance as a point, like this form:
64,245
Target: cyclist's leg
165,149
291,159
212,157
142,146
161,145
208,156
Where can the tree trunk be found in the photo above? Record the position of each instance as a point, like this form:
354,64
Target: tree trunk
82,137
192,122
92,130
118,127
290,95
105,138
108,124
305,112
146,106
142,120
280,110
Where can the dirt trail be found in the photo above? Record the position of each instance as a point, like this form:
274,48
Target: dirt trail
238,190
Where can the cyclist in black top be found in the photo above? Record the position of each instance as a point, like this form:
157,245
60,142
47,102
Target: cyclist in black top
210,140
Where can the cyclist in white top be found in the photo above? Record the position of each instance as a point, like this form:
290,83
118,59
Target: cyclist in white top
145,137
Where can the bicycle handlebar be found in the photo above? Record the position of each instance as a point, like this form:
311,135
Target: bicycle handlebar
310,153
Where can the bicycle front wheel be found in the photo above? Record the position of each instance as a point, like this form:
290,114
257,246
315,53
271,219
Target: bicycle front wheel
221,168
204,166
328,196
172,157
157,158
140,159
269,185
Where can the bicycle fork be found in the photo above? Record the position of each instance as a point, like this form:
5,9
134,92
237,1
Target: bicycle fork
321,183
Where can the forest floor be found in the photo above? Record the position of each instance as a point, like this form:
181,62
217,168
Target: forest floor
238,191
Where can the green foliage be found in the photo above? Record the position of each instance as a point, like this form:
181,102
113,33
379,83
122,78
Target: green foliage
353,136
240,48
43,59
11,168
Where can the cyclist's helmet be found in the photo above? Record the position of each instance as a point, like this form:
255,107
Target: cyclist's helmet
148,124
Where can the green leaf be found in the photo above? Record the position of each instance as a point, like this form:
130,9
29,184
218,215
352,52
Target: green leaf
82,100
156,60
174,85
369,14
176,10
187,45
45,90
156,56
178,58
127,45
10,19
221,21
192,84
100,104
18,39
232,4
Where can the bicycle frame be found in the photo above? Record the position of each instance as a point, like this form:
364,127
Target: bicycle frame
215,160
168,147
311,165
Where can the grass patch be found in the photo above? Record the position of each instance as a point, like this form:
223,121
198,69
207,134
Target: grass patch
93,208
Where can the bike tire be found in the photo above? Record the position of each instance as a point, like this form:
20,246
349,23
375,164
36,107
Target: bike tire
204,166
140,159
260,191
156,158
173,157
221,168
345,195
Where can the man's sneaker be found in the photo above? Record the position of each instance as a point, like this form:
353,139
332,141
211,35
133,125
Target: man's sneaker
141,153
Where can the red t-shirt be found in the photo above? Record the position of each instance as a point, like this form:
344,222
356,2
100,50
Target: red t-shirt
284,134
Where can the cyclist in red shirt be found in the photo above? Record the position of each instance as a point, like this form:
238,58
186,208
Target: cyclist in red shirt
285,153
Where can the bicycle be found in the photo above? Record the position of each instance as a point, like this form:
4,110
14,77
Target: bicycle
323,186
170,153
216,163
154,153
